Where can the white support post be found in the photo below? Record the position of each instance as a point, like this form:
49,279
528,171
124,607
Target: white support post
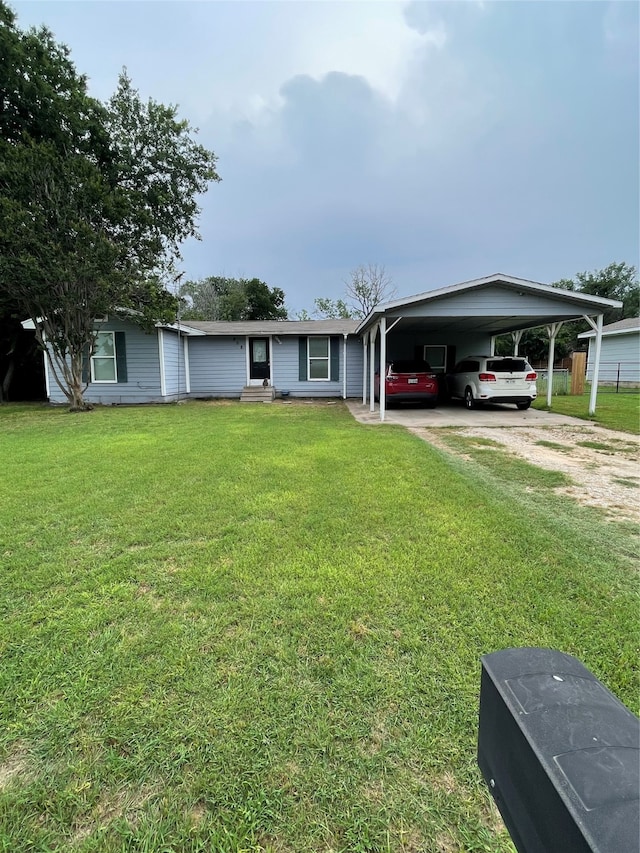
372,366
593,397
492,347
365,352
344,370
552,331
517,337
383,365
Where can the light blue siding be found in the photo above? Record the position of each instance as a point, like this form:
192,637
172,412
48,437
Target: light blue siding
143,371
217,366
355,357
174,367
619,358
491,301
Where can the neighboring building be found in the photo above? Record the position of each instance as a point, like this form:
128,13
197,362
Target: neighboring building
619,354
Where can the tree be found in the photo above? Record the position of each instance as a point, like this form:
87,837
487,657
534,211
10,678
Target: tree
95,200
616,281
332,309
219,298
368,286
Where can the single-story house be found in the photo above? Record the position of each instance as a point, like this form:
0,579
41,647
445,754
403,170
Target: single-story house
619,354
321,358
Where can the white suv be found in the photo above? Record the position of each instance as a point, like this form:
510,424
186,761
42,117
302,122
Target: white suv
493,379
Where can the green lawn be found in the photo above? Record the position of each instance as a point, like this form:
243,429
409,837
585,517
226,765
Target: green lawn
258,628
613,410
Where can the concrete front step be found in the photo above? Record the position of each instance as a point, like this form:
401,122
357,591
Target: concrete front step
258,394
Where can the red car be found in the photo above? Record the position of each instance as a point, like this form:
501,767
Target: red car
408,381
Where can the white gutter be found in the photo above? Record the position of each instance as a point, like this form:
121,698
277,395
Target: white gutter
344,370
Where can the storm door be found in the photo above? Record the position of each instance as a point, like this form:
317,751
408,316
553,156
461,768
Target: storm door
259,361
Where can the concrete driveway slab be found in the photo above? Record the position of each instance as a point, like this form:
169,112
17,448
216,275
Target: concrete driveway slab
457,415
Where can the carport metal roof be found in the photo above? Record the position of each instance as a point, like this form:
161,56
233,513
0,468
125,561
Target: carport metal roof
497,304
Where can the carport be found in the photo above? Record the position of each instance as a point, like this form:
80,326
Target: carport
450,323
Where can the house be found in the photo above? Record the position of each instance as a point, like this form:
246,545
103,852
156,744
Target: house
322,358
318,358
619,353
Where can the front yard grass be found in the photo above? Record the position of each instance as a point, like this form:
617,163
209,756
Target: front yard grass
230,627
619,411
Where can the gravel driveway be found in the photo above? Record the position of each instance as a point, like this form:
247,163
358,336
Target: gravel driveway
602,463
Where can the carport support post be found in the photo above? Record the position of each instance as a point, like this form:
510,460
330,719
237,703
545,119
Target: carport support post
372,366
383,365
552,331
365,352
517,337
597,326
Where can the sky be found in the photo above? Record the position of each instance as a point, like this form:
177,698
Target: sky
444,140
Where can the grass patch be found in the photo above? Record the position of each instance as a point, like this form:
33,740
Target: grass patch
596,445
502,464
629,482
554,445
615,411
235,628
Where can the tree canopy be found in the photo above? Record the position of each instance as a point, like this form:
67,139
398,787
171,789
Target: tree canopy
95,200
220,298
616,281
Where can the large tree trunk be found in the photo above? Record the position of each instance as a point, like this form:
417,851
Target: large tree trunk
76,385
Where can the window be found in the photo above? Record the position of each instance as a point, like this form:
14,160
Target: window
103,360
319,358
437,357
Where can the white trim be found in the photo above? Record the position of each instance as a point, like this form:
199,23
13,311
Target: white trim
163,379
114,381
187,374
632,330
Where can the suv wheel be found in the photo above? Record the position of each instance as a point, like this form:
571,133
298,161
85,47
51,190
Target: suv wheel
523,406
469,402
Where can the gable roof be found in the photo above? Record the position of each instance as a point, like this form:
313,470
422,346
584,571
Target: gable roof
567,304
237,328
622,327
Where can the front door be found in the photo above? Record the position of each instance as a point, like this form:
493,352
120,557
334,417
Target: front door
259,361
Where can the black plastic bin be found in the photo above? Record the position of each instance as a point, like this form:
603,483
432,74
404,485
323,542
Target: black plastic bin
560,753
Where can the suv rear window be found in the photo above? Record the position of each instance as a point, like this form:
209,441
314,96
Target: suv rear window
414,366
508,365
